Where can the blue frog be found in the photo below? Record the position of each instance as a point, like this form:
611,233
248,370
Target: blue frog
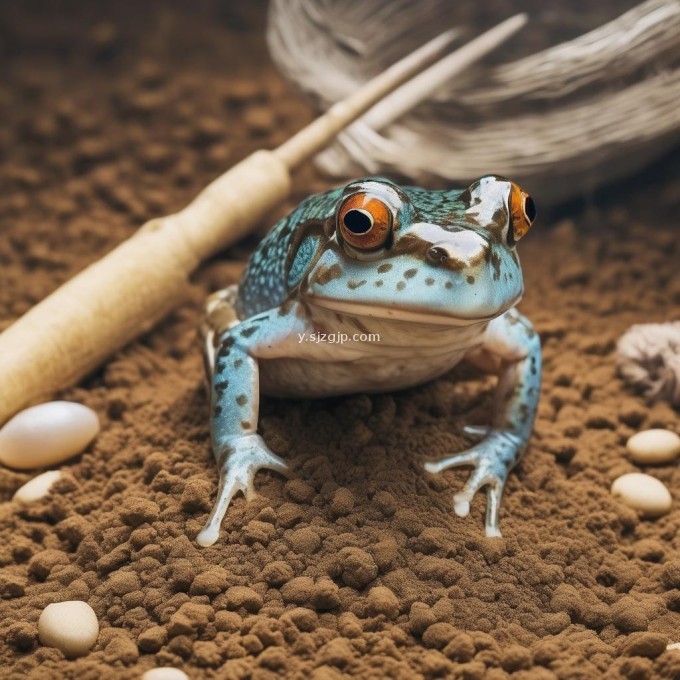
413,280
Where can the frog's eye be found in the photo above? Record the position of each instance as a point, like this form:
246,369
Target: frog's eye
522,212
364,222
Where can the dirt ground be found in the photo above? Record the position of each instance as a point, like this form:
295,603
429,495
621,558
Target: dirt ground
356,565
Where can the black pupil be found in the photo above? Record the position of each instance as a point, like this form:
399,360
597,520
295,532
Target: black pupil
530,208
357,222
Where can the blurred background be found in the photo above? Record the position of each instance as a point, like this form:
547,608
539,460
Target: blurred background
581,98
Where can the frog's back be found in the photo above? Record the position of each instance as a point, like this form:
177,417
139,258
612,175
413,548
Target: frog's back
272,271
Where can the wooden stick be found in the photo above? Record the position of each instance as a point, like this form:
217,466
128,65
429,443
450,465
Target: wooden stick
128,291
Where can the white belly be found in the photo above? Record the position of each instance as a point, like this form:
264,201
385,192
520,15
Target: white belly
405,355
313,379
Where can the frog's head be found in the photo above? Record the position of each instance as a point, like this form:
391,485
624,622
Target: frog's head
443,257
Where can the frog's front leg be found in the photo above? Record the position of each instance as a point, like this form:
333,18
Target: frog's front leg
235,395
511,339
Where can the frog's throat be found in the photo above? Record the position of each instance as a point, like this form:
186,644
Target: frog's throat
396,313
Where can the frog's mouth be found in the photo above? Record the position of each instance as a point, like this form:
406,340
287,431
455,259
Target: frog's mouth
396,312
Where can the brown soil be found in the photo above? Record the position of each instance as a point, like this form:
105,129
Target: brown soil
356,565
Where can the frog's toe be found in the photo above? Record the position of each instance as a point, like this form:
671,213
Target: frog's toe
479,478
249,492
494,491
271,462
470,457
493,505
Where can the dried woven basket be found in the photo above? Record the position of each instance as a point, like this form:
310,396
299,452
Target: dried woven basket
561,121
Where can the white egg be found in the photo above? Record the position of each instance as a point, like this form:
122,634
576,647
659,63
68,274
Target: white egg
69,626
654,446
47,434
644,493
37,487
165,673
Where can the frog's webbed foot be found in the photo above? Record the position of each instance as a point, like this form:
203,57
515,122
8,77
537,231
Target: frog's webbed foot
238,465
493,458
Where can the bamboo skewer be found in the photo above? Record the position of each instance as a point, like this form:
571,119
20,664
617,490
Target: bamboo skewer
108,304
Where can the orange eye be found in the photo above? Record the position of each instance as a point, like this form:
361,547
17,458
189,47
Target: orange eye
364,222
522,212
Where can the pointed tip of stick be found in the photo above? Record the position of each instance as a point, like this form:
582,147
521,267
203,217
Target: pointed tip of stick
520,19
424,84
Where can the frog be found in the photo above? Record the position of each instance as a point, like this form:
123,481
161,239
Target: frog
408,282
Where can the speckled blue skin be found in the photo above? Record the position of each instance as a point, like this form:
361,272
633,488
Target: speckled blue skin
442,287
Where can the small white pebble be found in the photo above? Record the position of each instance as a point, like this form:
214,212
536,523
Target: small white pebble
654,446
165,673
47,434
69,626
643,493
37,487
673,645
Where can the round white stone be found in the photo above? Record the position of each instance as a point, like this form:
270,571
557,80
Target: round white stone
69,626
37,487
654,446
47,434
643,493
673,646
165,673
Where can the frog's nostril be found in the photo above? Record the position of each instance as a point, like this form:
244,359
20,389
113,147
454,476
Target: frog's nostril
437,255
